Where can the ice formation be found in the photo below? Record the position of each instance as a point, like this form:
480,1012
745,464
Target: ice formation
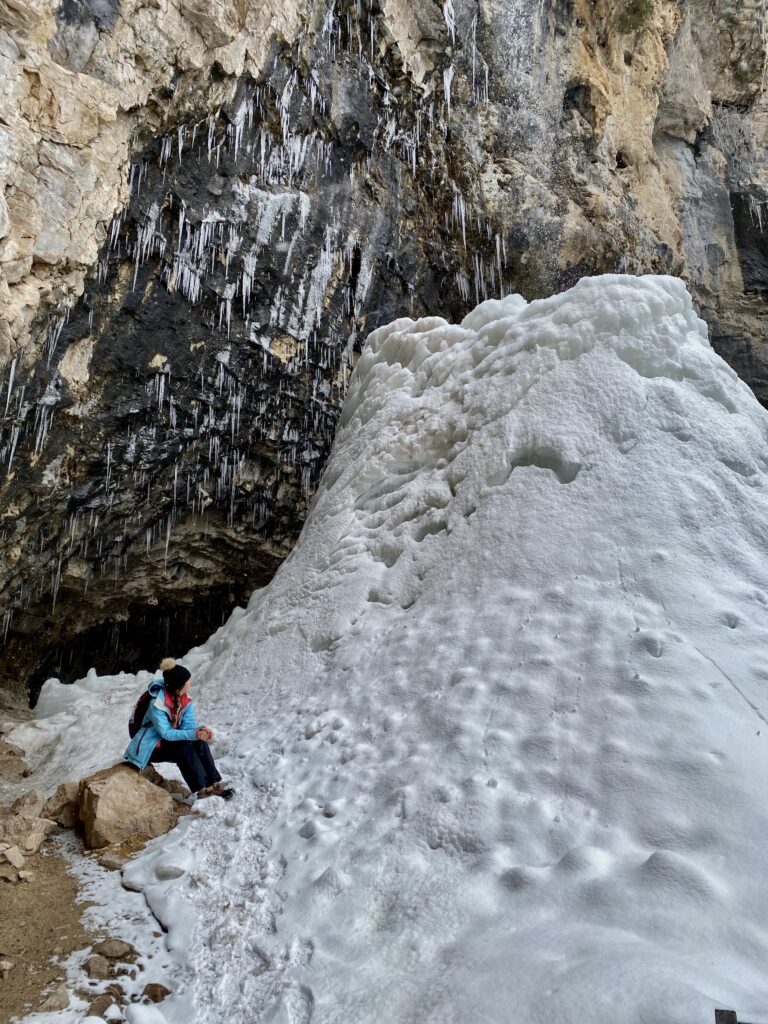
498,726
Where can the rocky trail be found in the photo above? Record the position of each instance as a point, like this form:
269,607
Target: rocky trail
40,925
57,857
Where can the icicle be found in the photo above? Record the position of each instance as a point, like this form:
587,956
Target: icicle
474,52
54,333
448,74
114,231
168,540
56,583
15,433
460,213
462,283
249,272
235,130
182,216
225,306
450,18
211,133
166,145
11,376
145,240
756,211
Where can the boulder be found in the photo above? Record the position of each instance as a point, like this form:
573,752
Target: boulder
12,855
97,968
115,949
24,831
155,992
62,806
8,873
29,804
118,803
57,999
101,1004
112,860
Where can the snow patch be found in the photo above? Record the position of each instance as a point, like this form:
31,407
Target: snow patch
498,725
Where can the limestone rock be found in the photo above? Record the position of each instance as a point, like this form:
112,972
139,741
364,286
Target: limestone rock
218,23
117,803
74,92
13,855
62,806
57,999
115,949
685,104
101,1004
112,860
30,804
25,832
8,873
97,968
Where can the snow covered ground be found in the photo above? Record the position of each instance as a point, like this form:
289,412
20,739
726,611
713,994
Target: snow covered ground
499,725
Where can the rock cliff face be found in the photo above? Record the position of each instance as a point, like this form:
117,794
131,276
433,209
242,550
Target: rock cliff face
207,205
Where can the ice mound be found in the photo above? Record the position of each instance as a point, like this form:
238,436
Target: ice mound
498,725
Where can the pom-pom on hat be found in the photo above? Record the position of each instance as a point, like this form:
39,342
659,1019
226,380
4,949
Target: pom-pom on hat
174,676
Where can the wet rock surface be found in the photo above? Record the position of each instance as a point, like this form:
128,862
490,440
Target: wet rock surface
24,833
305,174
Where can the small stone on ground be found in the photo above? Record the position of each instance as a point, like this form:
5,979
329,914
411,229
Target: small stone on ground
155,992
115,949
97,967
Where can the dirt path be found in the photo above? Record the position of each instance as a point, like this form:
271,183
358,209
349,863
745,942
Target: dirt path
41,923
40,919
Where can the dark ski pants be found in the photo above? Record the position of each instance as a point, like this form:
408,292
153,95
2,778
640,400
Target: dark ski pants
194,759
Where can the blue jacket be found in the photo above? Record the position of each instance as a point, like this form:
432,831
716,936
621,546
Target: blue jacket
157,726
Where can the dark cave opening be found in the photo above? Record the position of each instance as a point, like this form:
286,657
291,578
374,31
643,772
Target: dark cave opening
139,641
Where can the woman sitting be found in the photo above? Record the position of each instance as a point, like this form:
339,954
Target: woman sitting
169,732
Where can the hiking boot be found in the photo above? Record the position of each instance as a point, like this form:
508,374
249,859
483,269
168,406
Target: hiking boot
217,789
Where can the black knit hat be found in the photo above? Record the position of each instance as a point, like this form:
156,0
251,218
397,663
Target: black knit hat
174,676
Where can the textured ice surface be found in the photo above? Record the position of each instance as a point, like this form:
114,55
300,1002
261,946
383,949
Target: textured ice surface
498,724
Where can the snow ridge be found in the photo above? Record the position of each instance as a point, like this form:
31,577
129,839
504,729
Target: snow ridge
497,724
